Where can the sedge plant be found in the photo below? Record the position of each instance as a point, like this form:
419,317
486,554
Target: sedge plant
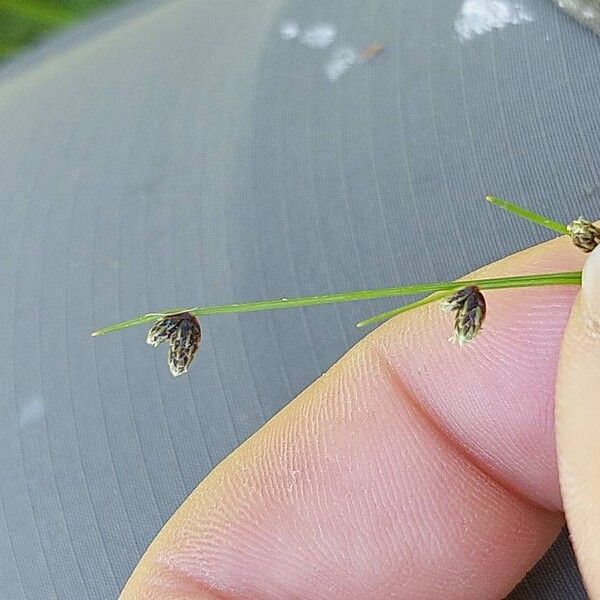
181,329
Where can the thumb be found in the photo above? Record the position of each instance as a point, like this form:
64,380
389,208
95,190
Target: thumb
578,425
412,469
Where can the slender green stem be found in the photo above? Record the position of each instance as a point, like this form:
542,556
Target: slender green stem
566,278
527,214
570,278
388,314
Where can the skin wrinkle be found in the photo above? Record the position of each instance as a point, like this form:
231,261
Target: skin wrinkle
455,442
458,450
425,425
523,402
184,583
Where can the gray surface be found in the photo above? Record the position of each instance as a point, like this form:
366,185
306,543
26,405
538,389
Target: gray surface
185,154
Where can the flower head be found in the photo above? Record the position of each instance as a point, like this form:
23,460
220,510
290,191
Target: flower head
184,344
468,305
164,329
585,234
182,331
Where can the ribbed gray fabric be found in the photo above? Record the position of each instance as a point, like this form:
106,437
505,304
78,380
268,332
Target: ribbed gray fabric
184,153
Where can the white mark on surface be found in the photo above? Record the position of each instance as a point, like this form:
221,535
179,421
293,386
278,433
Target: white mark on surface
589,13
341,60
321,35
582,9
31,411
289,30
477,17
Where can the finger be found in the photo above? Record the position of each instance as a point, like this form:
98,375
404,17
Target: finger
578,425
412,469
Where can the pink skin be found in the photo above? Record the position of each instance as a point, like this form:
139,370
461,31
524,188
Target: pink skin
413,469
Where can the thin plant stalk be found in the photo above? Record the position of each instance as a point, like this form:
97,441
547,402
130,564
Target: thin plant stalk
504,204
388,314
546,279
529,215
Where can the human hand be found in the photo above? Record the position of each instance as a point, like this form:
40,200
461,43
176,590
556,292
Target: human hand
578,425
411,469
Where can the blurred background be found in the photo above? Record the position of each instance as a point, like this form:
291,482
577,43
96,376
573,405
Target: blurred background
24,22
180,152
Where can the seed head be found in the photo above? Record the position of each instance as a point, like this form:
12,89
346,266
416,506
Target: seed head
468,305
183,345
585,234
164,329
183,333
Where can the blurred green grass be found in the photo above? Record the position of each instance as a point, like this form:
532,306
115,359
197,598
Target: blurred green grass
24,22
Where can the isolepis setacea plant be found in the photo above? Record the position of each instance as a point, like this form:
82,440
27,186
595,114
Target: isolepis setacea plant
181,328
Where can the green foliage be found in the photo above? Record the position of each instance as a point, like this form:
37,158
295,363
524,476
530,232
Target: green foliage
23,22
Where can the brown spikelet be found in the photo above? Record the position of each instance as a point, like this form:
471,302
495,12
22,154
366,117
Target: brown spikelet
184,344
469,309
182,331
163,329
585,234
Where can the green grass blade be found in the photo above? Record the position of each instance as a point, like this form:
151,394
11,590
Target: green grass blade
529,215
571,278
567,278
388,314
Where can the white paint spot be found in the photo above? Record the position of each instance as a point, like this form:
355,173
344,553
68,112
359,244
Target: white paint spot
477,17
321,35
289,30
31,411
570,4
341,60
589,13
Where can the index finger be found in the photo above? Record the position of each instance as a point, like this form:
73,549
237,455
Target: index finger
412,469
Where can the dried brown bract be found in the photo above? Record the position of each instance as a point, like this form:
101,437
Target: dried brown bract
163,329
182,331
184,345
468,305
585,234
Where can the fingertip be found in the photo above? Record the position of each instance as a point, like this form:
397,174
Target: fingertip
577,416
590,284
